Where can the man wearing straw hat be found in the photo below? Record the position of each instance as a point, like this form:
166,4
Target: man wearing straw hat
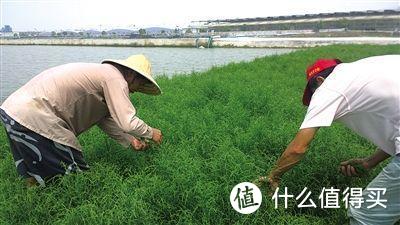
365,96
44,117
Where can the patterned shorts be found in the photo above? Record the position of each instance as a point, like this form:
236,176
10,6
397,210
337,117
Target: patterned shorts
39,157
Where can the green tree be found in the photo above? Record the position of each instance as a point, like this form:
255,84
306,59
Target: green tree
142,32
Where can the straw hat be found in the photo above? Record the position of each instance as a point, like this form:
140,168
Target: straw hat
140,64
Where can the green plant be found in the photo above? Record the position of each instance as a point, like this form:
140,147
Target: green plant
221,127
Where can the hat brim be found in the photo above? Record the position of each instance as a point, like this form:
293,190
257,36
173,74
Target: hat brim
152,89
307,95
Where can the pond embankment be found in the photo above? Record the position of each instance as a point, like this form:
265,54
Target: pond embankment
253,42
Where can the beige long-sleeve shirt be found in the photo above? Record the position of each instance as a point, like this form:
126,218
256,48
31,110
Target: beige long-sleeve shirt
62,102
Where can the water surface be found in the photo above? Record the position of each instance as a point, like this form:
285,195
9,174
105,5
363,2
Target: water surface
20,63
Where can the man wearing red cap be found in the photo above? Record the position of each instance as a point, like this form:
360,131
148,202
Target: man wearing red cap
365,96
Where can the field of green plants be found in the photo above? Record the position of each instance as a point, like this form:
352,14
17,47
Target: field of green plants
221,127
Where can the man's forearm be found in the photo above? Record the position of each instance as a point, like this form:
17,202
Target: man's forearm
294,152
109,126
376,158
288,159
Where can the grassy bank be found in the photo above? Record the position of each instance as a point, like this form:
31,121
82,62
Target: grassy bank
222,127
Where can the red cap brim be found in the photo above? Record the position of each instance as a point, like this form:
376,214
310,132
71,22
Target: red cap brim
307,95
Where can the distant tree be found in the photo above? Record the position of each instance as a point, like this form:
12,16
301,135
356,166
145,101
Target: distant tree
188,31
53,34
81,34
103,33
64,33
142,32
6,29
162,31
16,35
177,32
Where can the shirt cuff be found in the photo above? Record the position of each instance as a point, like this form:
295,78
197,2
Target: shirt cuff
149,133
127,140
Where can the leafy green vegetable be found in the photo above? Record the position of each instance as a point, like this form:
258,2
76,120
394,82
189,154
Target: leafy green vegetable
221,127
360,170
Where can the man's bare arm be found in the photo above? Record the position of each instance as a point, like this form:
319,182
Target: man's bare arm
348,168
290,157
293,153
376,158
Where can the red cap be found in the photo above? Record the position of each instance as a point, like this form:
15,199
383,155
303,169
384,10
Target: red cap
312,71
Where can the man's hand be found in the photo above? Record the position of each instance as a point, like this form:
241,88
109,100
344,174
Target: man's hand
355,167
157,136
138,145
272,183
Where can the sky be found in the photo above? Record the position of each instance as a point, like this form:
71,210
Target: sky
49,15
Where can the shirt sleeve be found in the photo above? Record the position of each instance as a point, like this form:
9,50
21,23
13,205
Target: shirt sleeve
323,108
116,94
109,126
